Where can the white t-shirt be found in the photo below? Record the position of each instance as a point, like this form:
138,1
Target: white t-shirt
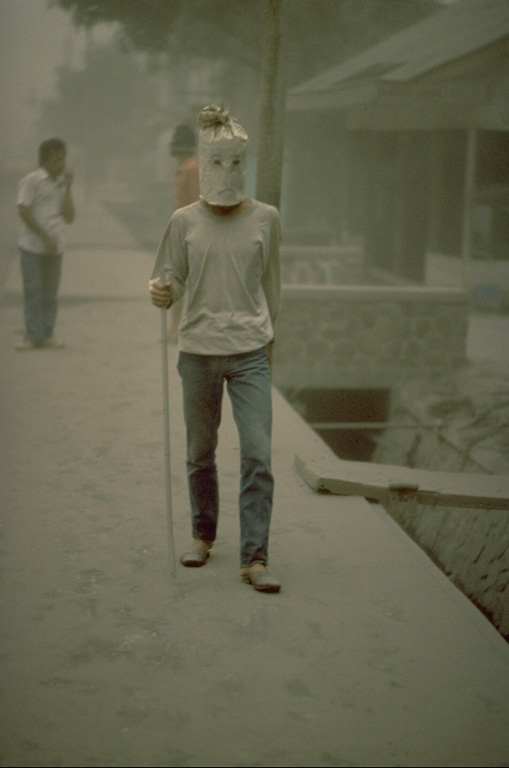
227,269
45,198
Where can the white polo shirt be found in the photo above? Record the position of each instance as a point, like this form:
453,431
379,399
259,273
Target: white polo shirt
45,197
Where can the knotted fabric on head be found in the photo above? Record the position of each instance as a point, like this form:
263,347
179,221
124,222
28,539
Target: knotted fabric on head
222,148
213,116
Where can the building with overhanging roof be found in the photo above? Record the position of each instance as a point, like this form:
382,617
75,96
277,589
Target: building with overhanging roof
414,141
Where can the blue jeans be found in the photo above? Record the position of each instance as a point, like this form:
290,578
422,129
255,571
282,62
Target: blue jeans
41,279
248,383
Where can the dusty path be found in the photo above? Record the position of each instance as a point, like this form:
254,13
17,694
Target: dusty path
367,657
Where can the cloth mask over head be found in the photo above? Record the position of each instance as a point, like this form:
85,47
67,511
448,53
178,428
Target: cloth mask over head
222,146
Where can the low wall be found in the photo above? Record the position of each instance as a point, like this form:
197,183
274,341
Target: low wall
471,546
366,337
486,279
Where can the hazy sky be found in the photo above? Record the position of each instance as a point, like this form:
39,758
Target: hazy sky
33,41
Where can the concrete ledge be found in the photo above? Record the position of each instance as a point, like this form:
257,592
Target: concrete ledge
377,293
386,483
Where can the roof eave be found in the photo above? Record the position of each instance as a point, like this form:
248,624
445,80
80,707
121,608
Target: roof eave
333,98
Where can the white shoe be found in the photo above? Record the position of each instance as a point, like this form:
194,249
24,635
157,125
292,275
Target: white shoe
53,343
26,346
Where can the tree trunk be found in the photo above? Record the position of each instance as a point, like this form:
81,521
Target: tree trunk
272,109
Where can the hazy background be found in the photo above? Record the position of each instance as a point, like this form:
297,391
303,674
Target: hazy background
34,40
114,91
42,56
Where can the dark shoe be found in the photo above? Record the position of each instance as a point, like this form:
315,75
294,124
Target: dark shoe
197,555
260,578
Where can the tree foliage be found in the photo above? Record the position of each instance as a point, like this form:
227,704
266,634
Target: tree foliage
147,23
209,28
319,32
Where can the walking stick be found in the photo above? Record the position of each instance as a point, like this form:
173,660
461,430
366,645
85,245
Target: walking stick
166,418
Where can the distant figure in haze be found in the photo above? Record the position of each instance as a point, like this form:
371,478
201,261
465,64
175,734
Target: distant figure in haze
186,190
44,203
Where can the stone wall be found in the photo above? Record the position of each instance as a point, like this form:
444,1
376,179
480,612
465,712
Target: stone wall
362,337
470,546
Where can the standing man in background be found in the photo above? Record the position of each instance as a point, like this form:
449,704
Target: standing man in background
186,190
44,203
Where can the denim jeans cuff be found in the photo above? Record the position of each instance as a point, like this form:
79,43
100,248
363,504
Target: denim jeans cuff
253,562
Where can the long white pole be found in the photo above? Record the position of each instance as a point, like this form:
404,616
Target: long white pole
167,462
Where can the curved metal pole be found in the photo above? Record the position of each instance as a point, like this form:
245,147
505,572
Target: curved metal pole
167,463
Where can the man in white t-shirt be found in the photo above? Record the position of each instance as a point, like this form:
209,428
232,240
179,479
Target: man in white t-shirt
221,256
44,203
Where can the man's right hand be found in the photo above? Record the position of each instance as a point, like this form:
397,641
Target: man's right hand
50,244
161,294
